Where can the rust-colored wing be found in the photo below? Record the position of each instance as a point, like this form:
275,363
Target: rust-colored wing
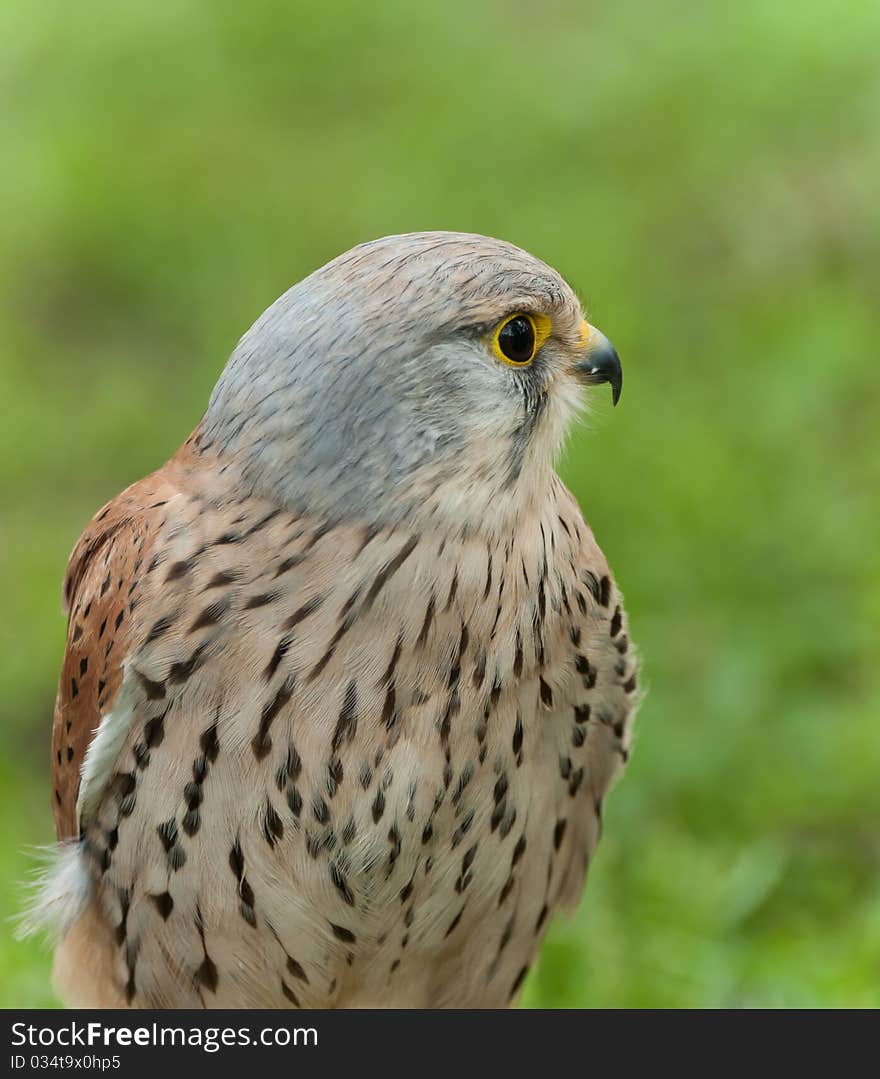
100,593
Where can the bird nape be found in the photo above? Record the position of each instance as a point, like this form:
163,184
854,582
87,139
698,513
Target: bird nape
347,679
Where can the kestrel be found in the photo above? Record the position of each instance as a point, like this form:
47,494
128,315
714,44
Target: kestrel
348,678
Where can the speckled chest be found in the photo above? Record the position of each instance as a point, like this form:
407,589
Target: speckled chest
355,751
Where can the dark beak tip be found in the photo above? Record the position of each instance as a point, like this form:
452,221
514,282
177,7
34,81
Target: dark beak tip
616,380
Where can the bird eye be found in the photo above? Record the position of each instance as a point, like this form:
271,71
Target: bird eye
515,340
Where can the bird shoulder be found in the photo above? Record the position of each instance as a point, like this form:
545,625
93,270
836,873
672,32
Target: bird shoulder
101,588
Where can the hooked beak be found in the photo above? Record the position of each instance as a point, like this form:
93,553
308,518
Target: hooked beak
600,362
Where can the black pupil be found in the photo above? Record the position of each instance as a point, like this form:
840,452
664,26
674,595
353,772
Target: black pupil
517,339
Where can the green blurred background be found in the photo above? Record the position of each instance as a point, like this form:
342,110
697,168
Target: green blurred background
707,176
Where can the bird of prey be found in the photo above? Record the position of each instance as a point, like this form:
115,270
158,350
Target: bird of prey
348,678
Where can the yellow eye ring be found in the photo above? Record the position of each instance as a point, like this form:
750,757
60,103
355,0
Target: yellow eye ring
518,337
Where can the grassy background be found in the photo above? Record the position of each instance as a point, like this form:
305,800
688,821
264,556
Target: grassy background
707,176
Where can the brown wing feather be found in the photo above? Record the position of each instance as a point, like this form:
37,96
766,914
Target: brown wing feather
100,593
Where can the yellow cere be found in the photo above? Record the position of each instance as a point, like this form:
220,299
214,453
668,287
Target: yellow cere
542,325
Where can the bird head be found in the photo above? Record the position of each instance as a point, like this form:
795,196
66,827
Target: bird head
429,375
